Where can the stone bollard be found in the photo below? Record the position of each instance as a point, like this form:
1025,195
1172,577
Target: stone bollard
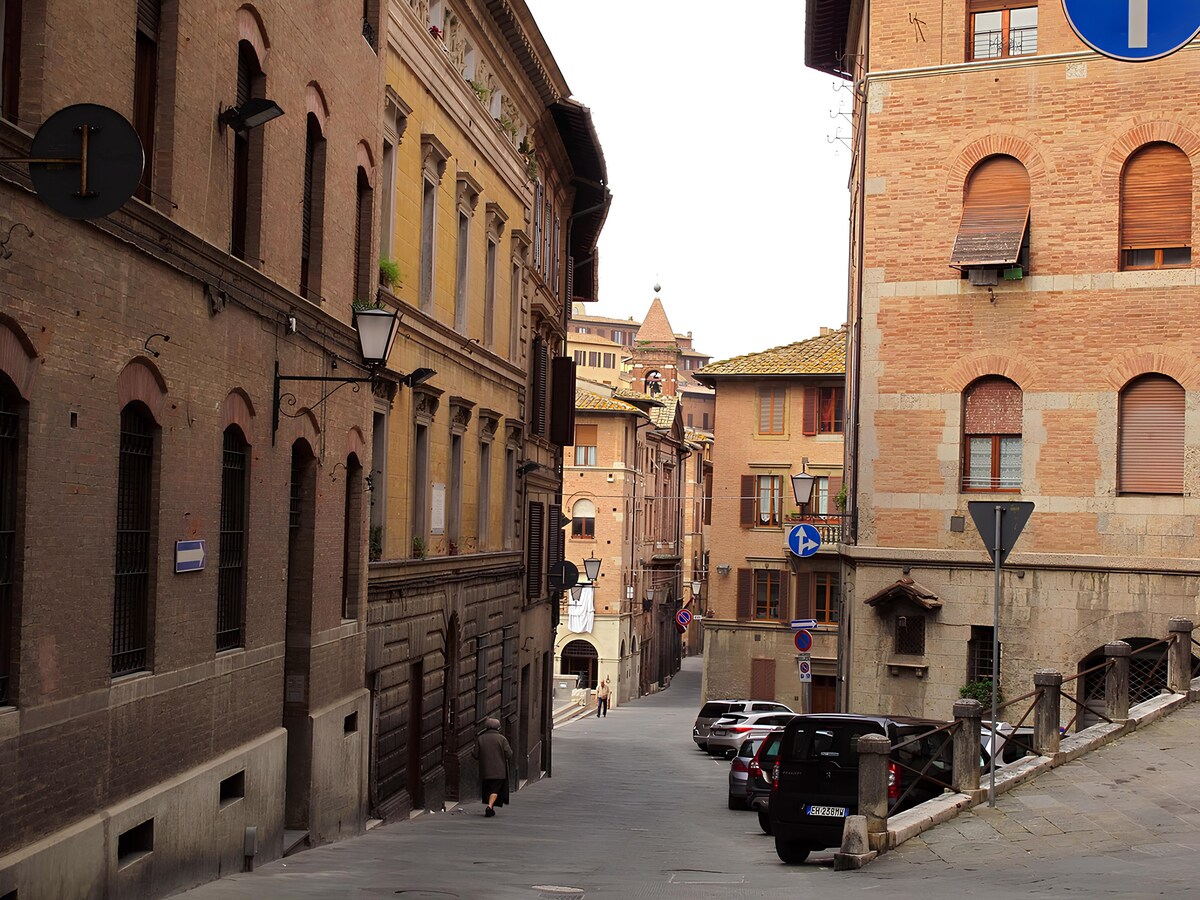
966,746
1046,717
1179,660
1116,681
873,750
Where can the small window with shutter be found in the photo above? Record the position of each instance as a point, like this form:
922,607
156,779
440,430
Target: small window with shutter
767,594
770,410
994,228
1156,208
1151,437
992,435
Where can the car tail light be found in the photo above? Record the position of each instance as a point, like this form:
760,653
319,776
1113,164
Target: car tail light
738,765
754,768
741,729
775,778
893,781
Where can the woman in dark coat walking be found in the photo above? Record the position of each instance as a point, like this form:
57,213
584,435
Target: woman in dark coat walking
493,752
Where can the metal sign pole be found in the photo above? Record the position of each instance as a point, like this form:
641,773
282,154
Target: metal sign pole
995,661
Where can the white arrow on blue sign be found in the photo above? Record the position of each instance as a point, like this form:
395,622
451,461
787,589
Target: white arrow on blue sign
1133,30
189,556
801,624
804,540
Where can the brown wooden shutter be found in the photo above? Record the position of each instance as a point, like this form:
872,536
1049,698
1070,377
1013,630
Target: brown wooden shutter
810,410
534,543
785,581
995,214
747,501
586,435
562,401
1150,453
1156,199
538,388
148,14
745,593
762,679
805,592
835,488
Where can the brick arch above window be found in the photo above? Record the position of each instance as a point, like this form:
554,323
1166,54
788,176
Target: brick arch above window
1138,136
18,356
971,368
315,103
1181,368
356,445
251,30
141,380
237,410
301,425
366,162
975,152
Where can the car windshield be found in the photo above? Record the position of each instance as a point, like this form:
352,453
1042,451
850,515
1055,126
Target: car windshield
713,710
835,742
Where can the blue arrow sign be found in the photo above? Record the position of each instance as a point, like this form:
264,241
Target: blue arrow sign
1133,30
189,556
798,624
804,540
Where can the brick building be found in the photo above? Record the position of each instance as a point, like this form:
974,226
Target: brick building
148,718
1022,247
493,186
782,413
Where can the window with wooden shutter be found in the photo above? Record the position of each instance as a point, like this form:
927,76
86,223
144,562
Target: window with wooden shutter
770,410
767,594
827,604
1156,208
811,397
804,595
785,582
562,401
1001,28
364,208
992,435
768,500
995,215
145,86
10,58
747,502
762,679
312,209
745,593
538,377
1151,441
534,546
831,404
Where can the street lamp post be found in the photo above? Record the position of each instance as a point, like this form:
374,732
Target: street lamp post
802,484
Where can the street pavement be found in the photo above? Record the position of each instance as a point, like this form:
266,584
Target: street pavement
635,811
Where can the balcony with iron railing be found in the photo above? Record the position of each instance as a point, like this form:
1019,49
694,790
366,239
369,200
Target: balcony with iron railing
833,528
1010,42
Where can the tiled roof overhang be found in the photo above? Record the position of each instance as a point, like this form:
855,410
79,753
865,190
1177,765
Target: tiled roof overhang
827,25
905,589
592,197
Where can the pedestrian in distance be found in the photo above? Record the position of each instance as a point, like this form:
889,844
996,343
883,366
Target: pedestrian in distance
602,694
493,752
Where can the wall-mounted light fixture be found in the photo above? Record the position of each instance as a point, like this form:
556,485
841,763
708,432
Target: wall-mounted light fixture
591,566
254,112
723,569
802,484
377,328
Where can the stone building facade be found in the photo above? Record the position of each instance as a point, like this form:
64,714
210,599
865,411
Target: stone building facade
782,413
1022,245
152,718
486,159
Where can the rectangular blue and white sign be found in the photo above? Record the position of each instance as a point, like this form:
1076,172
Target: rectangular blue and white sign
803,624
189,556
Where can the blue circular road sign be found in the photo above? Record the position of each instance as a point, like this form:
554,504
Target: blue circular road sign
1133,30
683,617
803,641
804,540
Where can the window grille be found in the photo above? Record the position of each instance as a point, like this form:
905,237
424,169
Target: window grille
910,635
979,654
231,560
135,484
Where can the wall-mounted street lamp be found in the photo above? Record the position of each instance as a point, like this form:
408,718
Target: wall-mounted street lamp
254,112
591,566
802,484
648,603
696,585
377,328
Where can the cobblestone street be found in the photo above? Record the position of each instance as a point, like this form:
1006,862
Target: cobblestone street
634,811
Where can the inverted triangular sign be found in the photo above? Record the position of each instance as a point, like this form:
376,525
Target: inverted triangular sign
1013,517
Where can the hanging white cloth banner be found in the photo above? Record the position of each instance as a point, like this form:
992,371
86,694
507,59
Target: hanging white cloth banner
581,610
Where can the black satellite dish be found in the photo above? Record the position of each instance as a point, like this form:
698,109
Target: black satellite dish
86,161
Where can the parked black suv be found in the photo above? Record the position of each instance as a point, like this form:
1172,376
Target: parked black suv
816,777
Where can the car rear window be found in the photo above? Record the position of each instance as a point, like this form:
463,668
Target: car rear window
770,747
750,747
730,719
713,710
835,741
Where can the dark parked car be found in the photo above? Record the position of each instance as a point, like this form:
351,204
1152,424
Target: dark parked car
816,776
759,778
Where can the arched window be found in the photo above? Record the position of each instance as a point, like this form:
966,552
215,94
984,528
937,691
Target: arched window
992,435
580,658
994,230
1150,442
10,444
231,559
247,161
312,209
1156,208
583,519
135,551
364,202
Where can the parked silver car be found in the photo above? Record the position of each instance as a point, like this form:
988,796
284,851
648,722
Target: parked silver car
739,772
726,735
715,709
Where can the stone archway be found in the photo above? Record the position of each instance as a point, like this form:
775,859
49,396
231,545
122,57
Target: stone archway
581,658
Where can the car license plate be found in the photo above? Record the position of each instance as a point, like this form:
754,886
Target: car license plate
836,811
717,732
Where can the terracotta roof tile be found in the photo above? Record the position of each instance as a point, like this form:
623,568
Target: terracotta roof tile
576,338
664,416
586,400
822,355
655,327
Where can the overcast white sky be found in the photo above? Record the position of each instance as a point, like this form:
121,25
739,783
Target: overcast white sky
727,190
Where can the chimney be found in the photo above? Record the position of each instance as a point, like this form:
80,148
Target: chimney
825,331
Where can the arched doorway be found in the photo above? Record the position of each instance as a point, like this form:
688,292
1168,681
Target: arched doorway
450,710
581,658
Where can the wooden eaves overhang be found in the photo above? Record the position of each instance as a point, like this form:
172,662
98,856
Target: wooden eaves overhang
826,31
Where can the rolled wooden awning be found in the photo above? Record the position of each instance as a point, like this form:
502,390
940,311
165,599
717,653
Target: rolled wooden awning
1156,199
995,214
